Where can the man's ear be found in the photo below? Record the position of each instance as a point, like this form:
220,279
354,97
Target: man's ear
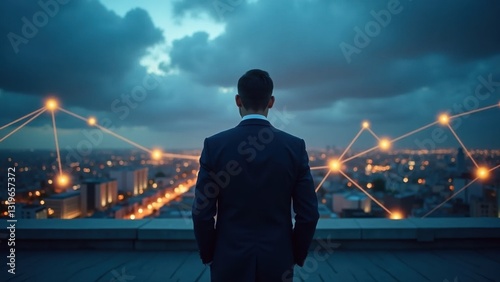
271,102
237,98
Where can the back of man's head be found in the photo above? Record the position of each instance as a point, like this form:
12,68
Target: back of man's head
255,88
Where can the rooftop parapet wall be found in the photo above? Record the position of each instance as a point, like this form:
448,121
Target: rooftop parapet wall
177,234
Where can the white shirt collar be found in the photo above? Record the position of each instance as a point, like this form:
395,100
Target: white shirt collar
254,116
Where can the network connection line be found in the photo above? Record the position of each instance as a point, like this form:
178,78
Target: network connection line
373,133
56,142
360,154
51,104
22,125
318,167
451,197
476,110
181,156
323,180
123,138
482,174
73,114
93,122
365,125
414,131
21,118
366,193
463,146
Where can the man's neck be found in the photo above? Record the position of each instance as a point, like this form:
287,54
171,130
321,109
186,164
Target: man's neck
244,112
254,116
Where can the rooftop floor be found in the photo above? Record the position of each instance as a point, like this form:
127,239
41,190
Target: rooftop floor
340,265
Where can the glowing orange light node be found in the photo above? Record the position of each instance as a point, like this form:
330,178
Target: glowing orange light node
483,173
334,165
396,215
92,121
62,180
384,144
444,119
156,154
51,104
365,124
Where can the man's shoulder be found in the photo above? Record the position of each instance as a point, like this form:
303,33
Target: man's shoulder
222,134
228,133
287,135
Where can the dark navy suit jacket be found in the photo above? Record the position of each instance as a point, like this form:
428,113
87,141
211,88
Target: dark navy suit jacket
249,178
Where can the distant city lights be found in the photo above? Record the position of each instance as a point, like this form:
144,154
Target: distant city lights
52,104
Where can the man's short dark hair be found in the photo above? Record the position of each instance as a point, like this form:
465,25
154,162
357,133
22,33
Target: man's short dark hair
255,88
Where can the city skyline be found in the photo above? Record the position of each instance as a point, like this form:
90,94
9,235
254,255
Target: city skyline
334,164
408,73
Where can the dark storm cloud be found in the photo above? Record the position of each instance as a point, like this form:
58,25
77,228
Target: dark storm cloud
79,51
426,59
425,43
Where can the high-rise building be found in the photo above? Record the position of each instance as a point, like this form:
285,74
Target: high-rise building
480,207
131,181
64,205
98,195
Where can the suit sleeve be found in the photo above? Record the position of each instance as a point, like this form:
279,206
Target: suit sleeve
205,208
305,206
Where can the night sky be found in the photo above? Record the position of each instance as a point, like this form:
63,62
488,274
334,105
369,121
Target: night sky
164,73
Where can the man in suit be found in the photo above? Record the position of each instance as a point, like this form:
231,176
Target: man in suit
250,177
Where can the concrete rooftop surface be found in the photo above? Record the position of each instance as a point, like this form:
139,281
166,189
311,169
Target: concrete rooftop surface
434,249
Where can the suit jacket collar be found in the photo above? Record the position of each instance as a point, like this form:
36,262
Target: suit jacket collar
254,121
